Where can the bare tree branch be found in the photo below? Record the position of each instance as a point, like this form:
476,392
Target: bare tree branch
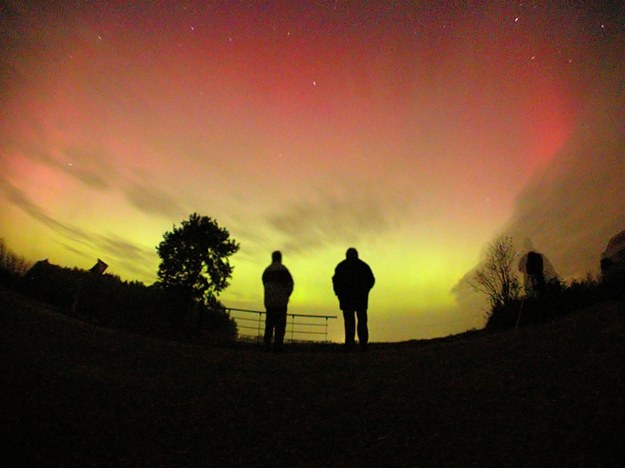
497,276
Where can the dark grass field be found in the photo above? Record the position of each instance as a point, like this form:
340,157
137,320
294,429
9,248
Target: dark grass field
74,394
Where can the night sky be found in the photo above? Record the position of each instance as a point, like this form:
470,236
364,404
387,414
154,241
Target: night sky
414,131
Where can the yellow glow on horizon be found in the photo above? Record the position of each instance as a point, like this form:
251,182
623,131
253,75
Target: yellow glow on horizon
413,280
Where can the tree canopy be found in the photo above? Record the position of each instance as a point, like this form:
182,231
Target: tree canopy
195,258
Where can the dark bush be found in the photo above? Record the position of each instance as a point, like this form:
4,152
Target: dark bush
107,300
614,283
503,316
216,318
557,300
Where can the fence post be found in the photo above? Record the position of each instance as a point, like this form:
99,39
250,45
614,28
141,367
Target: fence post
326,335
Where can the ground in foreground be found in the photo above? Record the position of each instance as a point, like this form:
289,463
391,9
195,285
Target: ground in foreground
76,394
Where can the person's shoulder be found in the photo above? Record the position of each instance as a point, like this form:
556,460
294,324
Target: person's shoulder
277,268
269,269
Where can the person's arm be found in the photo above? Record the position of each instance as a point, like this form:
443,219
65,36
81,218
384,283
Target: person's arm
290,282
264,277
371,277
336,282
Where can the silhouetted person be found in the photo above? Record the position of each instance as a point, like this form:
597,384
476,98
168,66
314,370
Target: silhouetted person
352,281
534,268
278,284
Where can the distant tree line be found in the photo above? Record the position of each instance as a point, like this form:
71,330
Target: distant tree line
182,304
12,265
498,279
107,300
194,269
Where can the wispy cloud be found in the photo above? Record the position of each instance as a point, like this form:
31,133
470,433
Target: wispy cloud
333,219
95,169
153,201
570,211
88,166
128,256
20,199
119,252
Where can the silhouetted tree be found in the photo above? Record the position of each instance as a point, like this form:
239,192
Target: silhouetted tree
12,266
194,259
497,276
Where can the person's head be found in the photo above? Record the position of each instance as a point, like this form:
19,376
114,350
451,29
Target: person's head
276,256
351,253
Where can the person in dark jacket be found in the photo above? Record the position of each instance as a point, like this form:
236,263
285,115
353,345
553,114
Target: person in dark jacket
532,265
352,281
535,270
278,284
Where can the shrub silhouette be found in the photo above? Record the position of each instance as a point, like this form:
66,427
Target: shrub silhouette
613,266
497,278
107,300
558,300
